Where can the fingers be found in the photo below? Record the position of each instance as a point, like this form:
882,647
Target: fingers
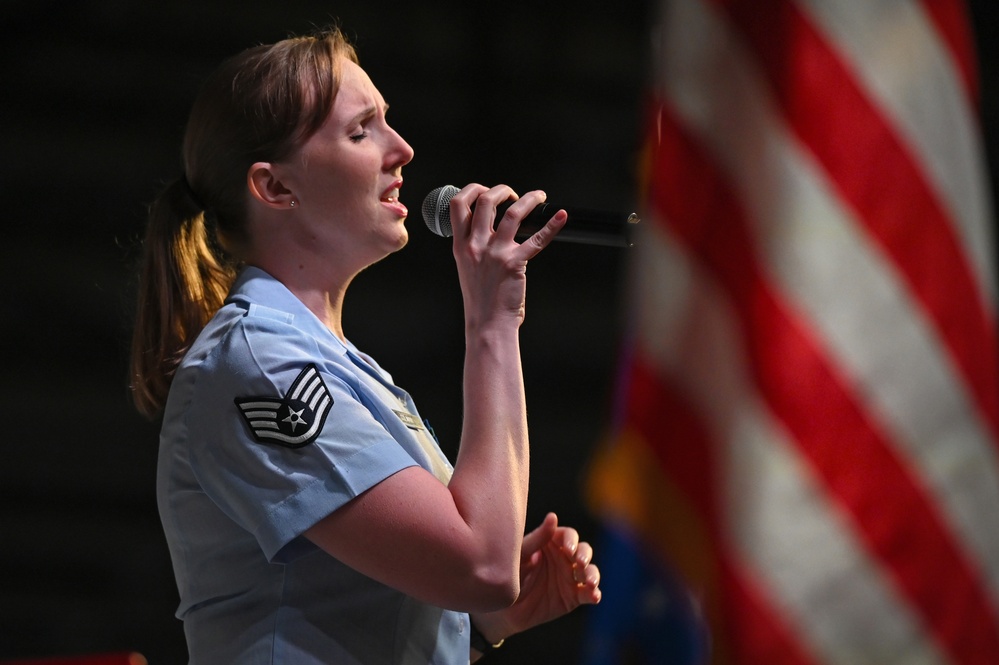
584,572
568,541
588,591
587,575
515,214
473,217
543,236
473,211
510,222
580,576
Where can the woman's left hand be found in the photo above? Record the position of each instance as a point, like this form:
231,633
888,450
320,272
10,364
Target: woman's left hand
557,575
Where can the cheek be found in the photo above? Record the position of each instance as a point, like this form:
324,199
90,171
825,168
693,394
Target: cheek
340,194
346,183
352,188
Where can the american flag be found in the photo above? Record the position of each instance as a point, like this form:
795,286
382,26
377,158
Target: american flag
809,421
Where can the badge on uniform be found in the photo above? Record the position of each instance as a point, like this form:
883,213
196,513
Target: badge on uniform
409,420
294,420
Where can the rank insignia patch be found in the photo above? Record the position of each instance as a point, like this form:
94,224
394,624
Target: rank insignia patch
294,420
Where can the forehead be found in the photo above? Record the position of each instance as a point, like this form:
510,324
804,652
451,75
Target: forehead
357,93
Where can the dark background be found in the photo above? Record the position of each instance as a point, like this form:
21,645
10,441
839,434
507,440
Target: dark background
94,98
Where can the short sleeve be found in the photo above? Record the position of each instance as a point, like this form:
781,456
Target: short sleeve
274,489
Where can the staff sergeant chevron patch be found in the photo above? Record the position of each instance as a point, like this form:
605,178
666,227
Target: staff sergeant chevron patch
294,420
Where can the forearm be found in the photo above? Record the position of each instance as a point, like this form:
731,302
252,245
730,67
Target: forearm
490,481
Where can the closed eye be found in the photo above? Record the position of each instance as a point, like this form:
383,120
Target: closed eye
363,118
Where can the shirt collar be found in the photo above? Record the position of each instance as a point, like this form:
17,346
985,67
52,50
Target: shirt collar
256,286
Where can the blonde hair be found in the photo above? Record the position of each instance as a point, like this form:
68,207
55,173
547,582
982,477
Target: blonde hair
257,106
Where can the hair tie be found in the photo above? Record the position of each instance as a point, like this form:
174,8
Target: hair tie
189,191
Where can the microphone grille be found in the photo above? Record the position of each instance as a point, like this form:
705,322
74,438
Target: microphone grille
436,212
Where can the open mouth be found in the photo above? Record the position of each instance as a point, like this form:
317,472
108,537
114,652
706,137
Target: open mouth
390,197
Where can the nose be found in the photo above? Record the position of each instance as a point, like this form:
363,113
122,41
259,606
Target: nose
400,153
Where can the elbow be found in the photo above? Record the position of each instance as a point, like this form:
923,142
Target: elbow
503,594
494,590
495,598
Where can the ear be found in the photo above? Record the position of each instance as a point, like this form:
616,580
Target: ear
266,188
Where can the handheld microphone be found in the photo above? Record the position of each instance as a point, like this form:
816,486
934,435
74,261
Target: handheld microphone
583,226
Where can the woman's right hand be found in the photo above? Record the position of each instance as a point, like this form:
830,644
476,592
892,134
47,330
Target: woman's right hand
492,265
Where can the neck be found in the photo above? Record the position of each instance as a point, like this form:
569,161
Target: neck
326,304
324,298
315,274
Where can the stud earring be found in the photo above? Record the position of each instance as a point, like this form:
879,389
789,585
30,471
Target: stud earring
292,203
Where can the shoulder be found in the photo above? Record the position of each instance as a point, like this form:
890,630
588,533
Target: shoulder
261,342
254,349
264,350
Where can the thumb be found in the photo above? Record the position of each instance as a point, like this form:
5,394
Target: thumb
537,538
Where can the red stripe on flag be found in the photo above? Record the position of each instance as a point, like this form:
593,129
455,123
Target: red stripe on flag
759,634
754,632
678,440
851,454
830,113
954,26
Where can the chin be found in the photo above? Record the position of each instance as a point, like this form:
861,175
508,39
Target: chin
403,239
390,238
393,245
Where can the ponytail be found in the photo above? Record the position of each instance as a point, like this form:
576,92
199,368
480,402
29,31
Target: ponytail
183,282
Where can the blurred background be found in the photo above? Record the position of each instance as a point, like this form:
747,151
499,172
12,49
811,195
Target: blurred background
94,100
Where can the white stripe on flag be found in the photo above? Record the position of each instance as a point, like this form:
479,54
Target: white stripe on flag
822,263
782,528
896,53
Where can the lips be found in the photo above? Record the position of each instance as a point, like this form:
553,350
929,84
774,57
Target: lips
391,194
390,198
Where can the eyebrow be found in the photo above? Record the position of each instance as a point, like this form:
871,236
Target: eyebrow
367,113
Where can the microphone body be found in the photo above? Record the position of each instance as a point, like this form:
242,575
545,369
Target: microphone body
591,227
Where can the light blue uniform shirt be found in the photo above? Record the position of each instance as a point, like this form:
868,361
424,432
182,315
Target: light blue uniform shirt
272,423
